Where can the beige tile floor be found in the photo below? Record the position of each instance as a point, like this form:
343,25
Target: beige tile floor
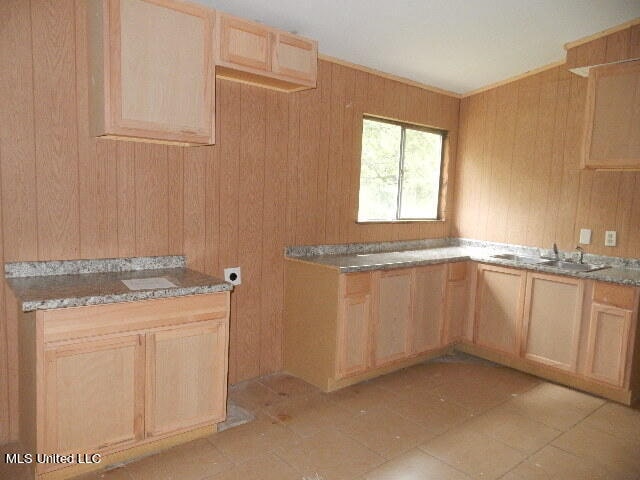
438,420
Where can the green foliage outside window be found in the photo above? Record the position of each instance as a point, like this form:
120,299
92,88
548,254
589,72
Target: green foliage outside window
400,172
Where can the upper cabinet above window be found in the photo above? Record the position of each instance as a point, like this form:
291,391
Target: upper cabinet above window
151,71
612,135
254,53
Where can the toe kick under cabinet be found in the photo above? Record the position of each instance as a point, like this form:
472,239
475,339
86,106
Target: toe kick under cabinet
122,379
342,328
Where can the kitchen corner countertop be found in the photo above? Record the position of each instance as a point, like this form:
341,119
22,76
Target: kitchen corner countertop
363,257
37,286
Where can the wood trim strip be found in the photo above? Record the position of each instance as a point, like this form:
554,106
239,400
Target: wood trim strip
603,33
515,78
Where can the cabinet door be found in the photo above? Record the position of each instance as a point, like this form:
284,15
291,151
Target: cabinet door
186,377
428,308
553,311
456,302
499,305
159,70
608,343
295,57
93,395
353,335
243,44
612,137
393,316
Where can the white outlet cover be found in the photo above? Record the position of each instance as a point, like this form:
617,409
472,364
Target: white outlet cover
233,275
610,238
585,236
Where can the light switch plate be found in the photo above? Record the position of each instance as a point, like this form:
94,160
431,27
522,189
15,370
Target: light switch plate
585,236
610,238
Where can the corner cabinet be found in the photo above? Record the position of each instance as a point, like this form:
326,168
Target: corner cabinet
253,53
612,135
151,71
122,379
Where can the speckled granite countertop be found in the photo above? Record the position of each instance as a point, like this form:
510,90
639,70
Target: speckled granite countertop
366,257
95,282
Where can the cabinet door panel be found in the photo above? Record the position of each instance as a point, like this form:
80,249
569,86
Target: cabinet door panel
393,316
161,66
552,320
353,335
93,394
612,137
244,44
455,311
608,342
499,308
186,377
428,308
295,57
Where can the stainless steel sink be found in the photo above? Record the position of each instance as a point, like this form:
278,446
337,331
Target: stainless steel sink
520,258
574,267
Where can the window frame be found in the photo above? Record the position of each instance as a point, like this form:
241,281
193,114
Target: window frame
403,126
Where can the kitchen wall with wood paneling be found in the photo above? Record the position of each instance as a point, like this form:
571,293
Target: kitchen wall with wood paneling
284,172
518,178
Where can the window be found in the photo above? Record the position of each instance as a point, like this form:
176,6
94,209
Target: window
400,171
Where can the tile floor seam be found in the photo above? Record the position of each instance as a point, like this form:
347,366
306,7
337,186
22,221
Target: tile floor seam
580,457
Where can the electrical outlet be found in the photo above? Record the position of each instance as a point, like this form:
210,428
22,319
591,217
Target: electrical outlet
585,236
233,275
610,238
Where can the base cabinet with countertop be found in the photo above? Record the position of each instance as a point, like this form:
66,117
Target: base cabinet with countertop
341,328
347,320
121,379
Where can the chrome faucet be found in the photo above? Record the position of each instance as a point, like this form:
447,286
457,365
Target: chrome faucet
581,250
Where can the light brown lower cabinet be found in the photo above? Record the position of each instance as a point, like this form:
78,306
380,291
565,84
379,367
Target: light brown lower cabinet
552,316
122,379
392,322
429,296
608,343
343,328
499,303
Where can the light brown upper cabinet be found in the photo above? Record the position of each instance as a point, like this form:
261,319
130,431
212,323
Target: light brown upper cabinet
257,54
151,71
612,135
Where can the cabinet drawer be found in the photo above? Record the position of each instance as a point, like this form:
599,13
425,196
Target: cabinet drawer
457,271
78,322
617,295
357,284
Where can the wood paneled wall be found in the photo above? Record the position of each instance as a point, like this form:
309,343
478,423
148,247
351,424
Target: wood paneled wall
284,171
518,177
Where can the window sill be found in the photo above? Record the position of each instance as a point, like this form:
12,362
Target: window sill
369,222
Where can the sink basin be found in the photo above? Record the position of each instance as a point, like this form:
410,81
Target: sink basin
520,258
575,267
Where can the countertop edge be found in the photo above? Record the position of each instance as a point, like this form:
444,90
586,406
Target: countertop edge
49,304
598,275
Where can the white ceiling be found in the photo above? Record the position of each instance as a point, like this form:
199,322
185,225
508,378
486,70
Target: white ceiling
457,45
